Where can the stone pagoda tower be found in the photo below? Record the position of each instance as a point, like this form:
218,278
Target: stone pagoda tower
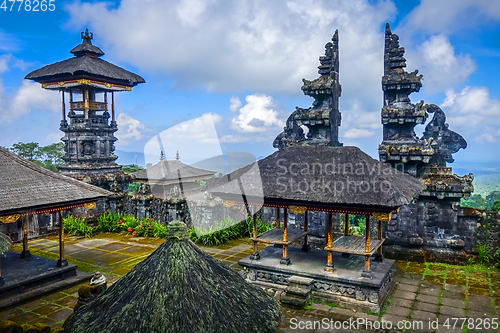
435,223
89,137
323,118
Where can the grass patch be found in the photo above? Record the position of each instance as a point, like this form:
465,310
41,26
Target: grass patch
307,306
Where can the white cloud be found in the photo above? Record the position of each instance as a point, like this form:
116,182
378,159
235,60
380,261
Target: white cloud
28,97
130,128
236,45
235,104
441,67
234,139
54,137
443,16
355,133
258,115
473,113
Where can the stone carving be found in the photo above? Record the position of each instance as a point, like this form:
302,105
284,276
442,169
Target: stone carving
322,119
271,277
444,142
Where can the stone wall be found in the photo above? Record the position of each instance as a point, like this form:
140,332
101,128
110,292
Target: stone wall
489,235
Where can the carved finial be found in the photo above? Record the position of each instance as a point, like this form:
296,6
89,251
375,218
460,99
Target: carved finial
162,157
335,37
86,35
177,156
387,29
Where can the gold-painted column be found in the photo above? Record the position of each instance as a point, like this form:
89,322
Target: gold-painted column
367,272
25,253
255,255
285,260
86,104
61,262
329,230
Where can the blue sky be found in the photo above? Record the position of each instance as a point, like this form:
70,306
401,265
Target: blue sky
243,61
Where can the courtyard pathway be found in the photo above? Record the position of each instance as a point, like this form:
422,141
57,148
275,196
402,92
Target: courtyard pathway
424,292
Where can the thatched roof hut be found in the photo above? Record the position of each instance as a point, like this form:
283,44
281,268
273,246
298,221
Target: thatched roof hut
320,176
26,187
171,171
178,288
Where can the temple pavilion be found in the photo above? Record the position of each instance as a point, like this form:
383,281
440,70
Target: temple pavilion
171,176
89,82
330,179
27,189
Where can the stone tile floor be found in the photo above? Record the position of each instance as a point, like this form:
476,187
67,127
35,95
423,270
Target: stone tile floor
424,292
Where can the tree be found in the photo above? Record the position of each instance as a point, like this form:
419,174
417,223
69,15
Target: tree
49,157
496,206
29,151
129,168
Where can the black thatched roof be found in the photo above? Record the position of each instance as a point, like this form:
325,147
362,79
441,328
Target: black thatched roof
321,176
179,288
85,64
5,243
26,186
167,171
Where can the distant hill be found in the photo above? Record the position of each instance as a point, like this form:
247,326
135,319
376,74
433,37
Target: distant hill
129,157
235,160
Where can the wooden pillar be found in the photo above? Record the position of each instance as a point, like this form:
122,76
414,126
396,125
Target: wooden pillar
329,230
278,223
61,262
112,106
367,272
379,255
285,260
306,247
346,232
25,253
2,281
86,103
63,107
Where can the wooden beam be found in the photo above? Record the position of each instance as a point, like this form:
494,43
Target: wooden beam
63,107
278,223
285,260
329,229
25,253
61,262
306,247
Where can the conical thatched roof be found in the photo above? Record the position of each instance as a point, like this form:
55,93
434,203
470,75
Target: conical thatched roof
170,171
5,243
178,288
320,175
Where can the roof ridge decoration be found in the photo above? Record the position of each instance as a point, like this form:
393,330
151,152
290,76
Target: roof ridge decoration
86,48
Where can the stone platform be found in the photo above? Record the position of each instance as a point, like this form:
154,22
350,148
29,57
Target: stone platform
344,287
33,277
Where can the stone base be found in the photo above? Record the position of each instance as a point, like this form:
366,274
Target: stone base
344,286
32,277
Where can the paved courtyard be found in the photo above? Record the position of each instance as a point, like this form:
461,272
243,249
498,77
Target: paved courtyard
425,294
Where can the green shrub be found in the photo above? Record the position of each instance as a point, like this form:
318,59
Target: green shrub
77,226
483,255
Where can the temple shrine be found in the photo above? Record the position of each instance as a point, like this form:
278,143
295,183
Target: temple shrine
435,223
322,119
89,82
